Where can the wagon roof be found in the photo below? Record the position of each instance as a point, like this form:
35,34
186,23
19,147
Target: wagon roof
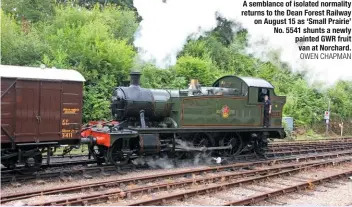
24,72
256,82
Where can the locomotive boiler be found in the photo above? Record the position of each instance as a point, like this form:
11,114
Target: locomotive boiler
225,119
129,103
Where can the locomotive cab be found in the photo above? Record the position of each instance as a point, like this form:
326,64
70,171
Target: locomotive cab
254,90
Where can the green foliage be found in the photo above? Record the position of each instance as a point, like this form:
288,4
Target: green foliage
341,96
161,78
125,4
224,31
18,48
96,105
195,68
303,104
196,48
96,42
32,10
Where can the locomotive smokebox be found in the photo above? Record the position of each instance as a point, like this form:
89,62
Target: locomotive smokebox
128,102
135,78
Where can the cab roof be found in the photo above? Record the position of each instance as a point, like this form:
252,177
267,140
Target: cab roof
249,81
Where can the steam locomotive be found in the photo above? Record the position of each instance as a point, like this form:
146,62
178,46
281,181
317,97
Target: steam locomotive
225,119
41,109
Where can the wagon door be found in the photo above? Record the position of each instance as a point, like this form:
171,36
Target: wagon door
50,111
8,109
27,111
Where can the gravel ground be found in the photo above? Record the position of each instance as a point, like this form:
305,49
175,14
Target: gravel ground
324,194
340,195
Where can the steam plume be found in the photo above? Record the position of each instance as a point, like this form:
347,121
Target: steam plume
166,26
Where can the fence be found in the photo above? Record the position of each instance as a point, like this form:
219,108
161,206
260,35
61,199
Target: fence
334,126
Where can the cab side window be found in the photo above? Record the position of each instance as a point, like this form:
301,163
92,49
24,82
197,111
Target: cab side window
244,90
261,93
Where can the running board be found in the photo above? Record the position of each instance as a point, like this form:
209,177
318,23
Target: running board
201,149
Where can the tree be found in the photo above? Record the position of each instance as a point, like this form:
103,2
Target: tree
154,77
341,97
17,47
224,32
95,42
31,10
195,68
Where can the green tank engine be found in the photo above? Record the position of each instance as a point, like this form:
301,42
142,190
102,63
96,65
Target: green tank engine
225,119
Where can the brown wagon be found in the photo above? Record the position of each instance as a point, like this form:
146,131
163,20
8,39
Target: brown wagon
41,108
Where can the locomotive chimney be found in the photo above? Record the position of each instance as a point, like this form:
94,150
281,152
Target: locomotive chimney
135,78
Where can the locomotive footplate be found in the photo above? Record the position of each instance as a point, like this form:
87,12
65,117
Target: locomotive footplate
149,143
275,132
201,149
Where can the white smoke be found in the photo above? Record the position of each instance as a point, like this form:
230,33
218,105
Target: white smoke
199,159
166,26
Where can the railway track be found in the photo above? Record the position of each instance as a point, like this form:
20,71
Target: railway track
55,164
306,147
308,150
281,142
294,188
274,152
226,182
292,143
69,163
63,174
234,170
